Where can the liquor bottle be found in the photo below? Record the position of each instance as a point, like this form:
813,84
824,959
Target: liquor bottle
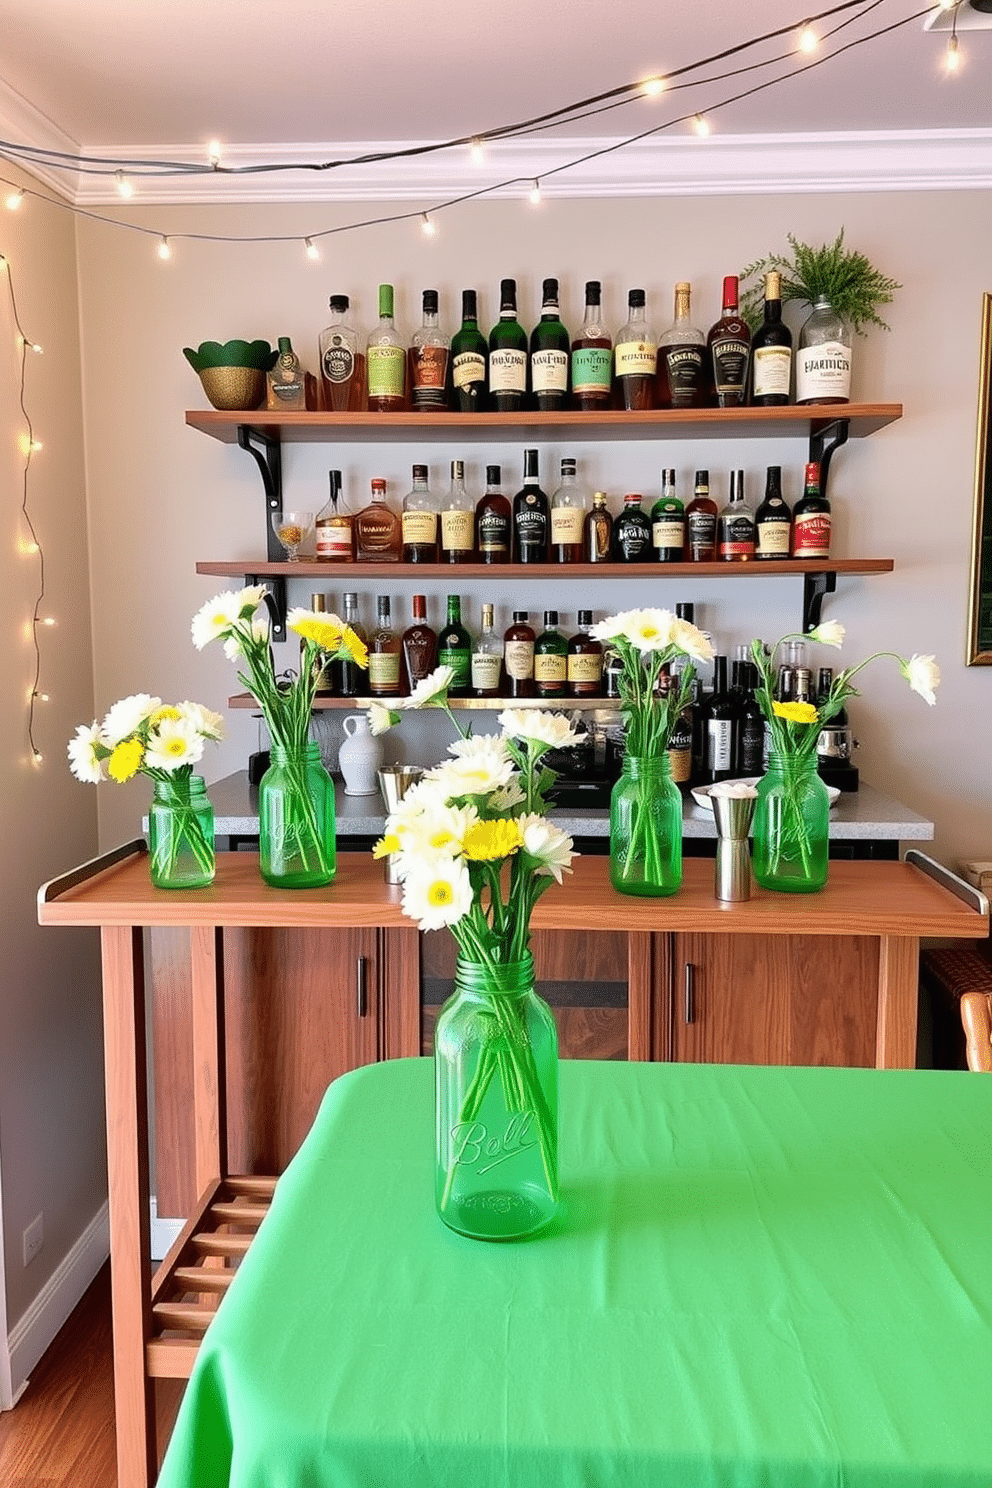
286,384
333,538
531,516
681,358
751,728
696,709
419,520
632,532
824,682
385,357
342,365
771,351
635,357
680,738
323,670
494,520
569,505
429,352
811,519
700,522
487,658
550,659
592,356
457,520
668,522
719,726
351,680
823,358
384,653
418,645
378,531
518,656
584,660
597,531
729,345
772,520
735,524
612,671
507,354
802,673
549,354
469,359
454,649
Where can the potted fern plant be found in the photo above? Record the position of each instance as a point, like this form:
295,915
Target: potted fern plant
844,291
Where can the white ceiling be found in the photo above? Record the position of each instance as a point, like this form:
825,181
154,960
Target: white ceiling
166,76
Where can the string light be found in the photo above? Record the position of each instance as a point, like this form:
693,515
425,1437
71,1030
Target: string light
534,195
808,39
428,227
952,58
213,153
124,187
164,248
476,151
13,200
701,125
653,86
311,250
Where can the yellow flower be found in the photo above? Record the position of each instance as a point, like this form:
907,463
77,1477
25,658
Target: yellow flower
386,845
355,646
313,627
168,711
487,841
124,761
796,712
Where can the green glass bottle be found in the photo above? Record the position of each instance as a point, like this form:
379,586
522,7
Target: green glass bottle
551,659
454,649
507,355
469,360
549,354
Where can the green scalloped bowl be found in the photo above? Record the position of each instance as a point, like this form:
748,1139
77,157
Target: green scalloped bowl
257,354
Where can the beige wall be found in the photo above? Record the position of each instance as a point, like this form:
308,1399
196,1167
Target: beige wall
51,1063
162,495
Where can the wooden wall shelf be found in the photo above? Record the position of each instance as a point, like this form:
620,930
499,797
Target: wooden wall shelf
412,573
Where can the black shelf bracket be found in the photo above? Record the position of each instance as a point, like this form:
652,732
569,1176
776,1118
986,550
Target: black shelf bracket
822,445
267,454
815,586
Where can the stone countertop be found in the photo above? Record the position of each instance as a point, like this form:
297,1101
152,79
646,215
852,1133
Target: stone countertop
866,815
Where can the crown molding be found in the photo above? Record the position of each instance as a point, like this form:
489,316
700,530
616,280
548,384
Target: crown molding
22,124
920,160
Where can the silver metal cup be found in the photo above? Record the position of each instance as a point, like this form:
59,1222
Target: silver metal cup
394,782
733,816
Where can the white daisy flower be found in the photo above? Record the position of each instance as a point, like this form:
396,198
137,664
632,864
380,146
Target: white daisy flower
381,718
85,760
612,627
429,687
172,743
507,796
220,614
472,775
650,629
257,629
437,893
691,641
490,747
554,729
204,720
126,716
828,633
547,843
923,675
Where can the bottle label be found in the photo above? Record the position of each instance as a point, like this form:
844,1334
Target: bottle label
384,670
751,744
469,367
531,521
428,373
289,393
634,542
339,360
457,531
585,666
494,533
386,371
507,371
772,371
548,667
684,369
519,659
773,537
419,528
730,365
486,668
668,532
566,524
823,372
549,371
333,539
460,662
591,368
635,359
701,526
811,535
719,744
737,537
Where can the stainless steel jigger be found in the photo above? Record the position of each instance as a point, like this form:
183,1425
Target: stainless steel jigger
733,815
394,782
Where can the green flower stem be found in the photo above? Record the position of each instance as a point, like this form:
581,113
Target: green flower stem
305,833
190,828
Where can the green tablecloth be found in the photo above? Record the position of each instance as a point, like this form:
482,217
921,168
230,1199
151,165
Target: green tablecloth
764,1278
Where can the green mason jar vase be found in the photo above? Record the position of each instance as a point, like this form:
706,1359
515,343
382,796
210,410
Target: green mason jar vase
646,828
791,826
496,1104
296,831
181,834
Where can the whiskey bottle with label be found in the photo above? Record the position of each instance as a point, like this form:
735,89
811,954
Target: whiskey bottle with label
531,516
811,519
549,354
429,352
719,726
584,663
592,356
420,520
735,524
823,359
772,520
518,656
507,355
384,653
454,649
569,505
550,659
729,345
342,365
286,384
632,532
385,357
681,358
457,520
597,531
487,658
469,359
351,680
494,520
635,357
378,533
333,537
771,351
700,522
418,646
668,522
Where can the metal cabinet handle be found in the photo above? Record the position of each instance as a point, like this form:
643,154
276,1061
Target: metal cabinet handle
690,992
361,987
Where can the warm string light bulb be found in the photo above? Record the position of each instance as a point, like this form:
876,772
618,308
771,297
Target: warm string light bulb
13,200
311,250
213,153
534,195
124,186
701,125
952,57
164,248
427,227
808,39
653,86
476,151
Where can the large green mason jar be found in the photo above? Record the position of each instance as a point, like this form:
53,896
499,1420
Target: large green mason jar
296,829
646,828
181,833
791,826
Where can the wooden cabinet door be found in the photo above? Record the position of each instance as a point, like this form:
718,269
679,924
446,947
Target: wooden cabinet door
775,999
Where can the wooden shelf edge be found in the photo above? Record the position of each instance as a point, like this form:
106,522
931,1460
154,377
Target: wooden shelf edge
469,705
412,572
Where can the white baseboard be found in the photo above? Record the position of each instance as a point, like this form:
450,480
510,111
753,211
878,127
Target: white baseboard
164,1232
32,1333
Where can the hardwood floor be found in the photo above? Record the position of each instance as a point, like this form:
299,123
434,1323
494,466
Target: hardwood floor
61,1432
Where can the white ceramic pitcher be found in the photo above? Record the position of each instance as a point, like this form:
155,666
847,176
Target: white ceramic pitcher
359,757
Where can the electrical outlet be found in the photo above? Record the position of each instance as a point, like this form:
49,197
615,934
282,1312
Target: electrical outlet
34,1239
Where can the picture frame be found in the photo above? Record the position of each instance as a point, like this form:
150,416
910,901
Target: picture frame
980,610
